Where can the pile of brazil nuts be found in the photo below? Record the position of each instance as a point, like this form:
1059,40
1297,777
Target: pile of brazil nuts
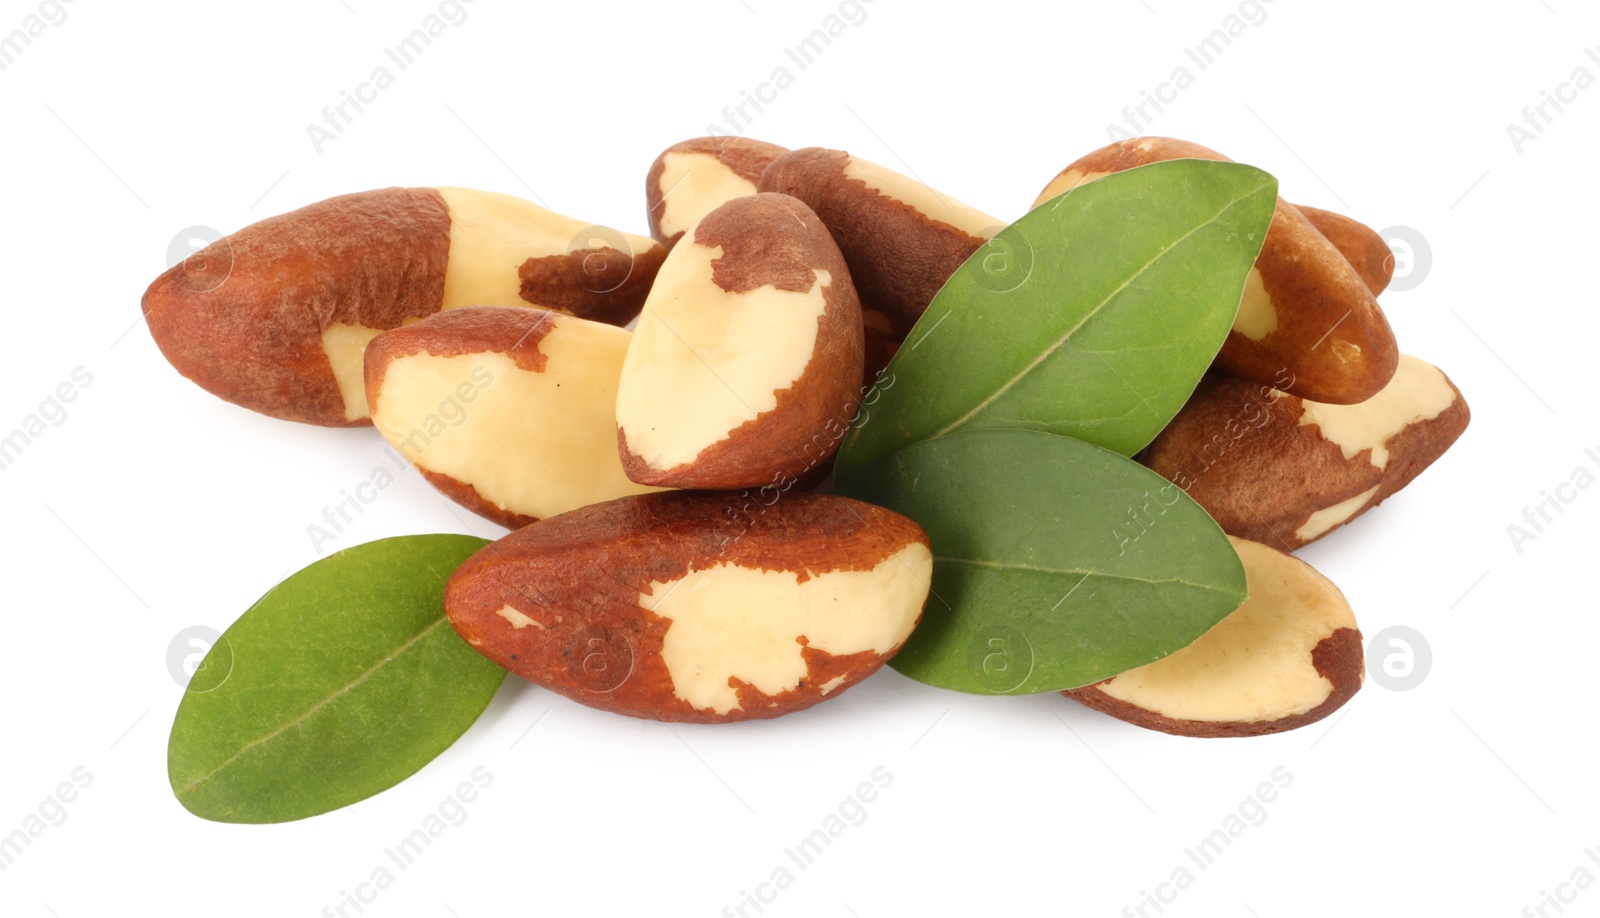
663,482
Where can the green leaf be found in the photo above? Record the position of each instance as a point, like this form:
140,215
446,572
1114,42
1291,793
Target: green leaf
1056,563
341,682
1093,316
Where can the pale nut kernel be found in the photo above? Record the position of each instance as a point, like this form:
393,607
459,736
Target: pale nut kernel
1289,656
507,411
276,316
693,177
698,606
746,365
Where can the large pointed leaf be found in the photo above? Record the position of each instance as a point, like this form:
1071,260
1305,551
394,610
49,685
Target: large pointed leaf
1093,316
339,683
1056,563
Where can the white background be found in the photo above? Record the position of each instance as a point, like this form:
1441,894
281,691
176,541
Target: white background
154,507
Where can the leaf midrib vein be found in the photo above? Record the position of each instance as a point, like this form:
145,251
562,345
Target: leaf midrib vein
1098,307
1012,566
311,711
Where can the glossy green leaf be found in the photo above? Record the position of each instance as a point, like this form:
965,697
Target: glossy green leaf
1056,563
1093,316
342,681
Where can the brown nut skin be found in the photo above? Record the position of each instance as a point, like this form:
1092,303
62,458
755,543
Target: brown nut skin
1241,450
1360,244
560,602
881,344
693,177
1319,319
900,253
246,317
541,444
773,252
1290,656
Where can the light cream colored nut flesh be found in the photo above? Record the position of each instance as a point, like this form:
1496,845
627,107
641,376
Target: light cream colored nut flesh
746,365
1306,312
713,638
901,239
694,177
697,606
1286,471
1290,656
276,316
507,411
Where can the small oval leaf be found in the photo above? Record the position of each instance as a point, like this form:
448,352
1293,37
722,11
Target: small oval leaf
1056,563
1093,316
342,681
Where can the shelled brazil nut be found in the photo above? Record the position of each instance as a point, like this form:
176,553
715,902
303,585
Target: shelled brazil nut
1305,308
1290,656
747,355
275,317
1287,471
692,606
507,411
